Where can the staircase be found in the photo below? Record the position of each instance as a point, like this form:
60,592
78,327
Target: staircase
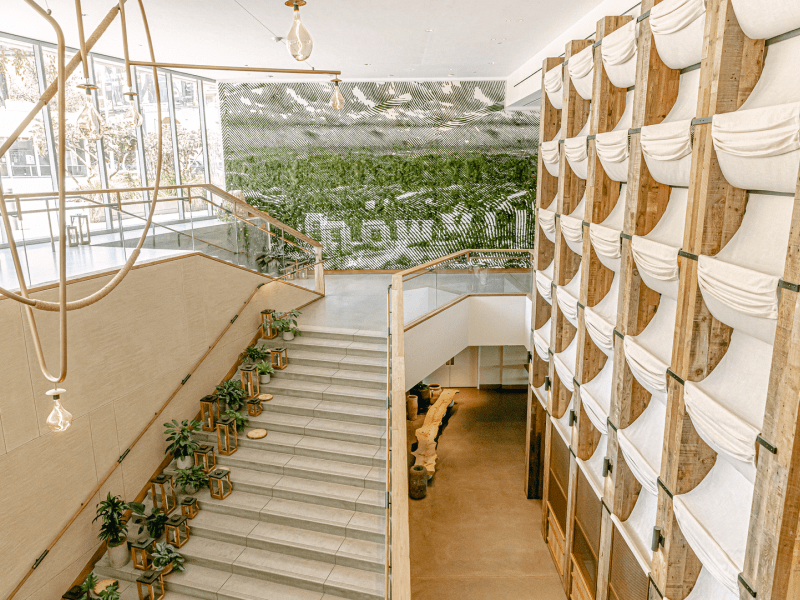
306,518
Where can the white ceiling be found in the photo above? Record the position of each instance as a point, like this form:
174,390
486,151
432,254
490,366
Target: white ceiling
471,39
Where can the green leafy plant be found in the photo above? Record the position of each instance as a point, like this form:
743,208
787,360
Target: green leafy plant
114,529
111,592
253,354
193,478
288,322
164,554
154,522
265,368
241,419
180,438
87,587
231,393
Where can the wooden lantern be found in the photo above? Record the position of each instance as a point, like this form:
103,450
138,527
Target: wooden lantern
269,332
74,593
279,358
254,406
226,436
209,412
189,507
204,457
176,530
150,585
219,483
140,553
249,375
163,493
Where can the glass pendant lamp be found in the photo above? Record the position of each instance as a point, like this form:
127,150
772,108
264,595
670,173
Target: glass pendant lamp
90,123
59,418
298,39
337,100
132,115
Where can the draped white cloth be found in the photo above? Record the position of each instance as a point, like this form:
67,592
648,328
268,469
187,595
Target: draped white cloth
550,157
638,528
708,588
740,283
641,443
547,219
572,227
619,55
562,424
649,353
612,147
593,467
601,319
577,150
544,280
553,85
564,363
541,340
541,395
714,518
596,397
568,297
581,71
656,254
678,29
605,236
761,19
727,407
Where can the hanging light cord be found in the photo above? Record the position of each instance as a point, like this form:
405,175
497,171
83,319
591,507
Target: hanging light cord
260,22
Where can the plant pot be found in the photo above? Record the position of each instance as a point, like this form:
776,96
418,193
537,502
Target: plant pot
185,462
190,490
288,336
118,555
263,379
167,570
418,482
412,405
425,394
436,391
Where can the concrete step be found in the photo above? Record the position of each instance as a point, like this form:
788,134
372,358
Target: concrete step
322,345
345,431
312,390
340,411
335,333
337,361
346,377
326,519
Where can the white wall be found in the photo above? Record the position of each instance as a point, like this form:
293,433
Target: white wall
127,355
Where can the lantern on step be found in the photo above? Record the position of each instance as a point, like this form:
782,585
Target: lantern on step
269,332
204,457
219,483
209,412
226,436
176,530
249,375
189,507
254,406
140,553
150,585
279,357
74,593
163,493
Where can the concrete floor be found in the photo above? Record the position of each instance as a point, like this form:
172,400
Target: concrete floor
351,302
476,536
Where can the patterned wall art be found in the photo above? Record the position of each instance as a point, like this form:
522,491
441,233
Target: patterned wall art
407,172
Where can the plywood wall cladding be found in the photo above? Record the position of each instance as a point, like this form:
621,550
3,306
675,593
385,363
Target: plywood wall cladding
127,355
670,373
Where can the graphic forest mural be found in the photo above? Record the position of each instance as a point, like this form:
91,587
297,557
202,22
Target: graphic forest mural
407,172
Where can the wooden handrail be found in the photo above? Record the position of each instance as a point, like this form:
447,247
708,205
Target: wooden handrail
449,257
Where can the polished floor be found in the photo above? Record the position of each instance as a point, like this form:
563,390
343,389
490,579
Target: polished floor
476,536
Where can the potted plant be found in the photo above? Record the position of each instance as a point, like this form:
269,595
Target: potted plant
191,479
181,442
114,529
111,592
265,369
87,587
166,559
231,393
253,355
241,419
287,325
423,392
154,522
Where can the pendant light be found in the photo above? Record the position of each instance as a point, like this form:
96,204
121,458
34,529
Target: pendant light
132,116
298,39
337,100
90,123
60,418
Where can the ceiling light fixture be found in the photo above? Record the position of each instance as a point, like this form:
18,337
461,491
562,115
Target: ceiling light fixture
299,40
429,30
90,123
132,115
59,418
337,100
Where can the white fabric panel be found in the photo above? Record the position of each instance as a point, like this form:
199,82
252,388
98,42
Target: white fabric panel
568,295
638,529
602,318
550,157
708,588
641,443
778,83
605,235
581,71
562,424
685,105
541,340
761,19
714,518
572,227
727,407
656,254
593,468
564,362
553,85
619,55
541,395
612,147
544,279
596,397
740,283
678,28
649,353
547,219
576,150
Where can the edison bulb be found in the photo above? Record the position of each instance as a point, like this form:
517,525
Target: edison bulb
299,40
59,418
337,100
133,116
90,123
